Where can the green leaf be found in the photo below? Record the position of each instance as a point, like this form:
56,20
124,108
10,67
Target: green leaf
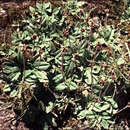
41,76
30,81
45,126
111,101
13,93
60,87
54,122
56,11
90,114
105,106
120,61
42,105
82,114
49,107
72,86
39,6
104,124
72,39
32,9
49,10
90,78
41,65
58,78
70,67
12,75
81,3
33,76
47,5
27,73
97,107
16,76
8,63
67,43
7,88
11,69
106,115
88,75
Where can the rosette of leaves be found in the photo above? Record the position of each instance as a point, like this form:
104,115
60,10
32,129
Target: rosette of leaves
19,70
100,114
41,30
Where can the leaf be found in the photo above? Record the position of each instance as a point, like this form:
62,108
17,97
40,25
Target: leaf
69,67
58,78
105,107
30,81
111,101
39,6
32,9
90,114
27,73
72,39
42,105
97,107
8,63
30,29
16,76
81,3
88,75
41,76
82,114
106,33
56,11
45,126
60,87
13,93
47,5
120,61
7,88
33,76
41,65
67,43
49,107
12,75
90,78
9,69
49,10
54,122
106,115
104,124
20,91
72,86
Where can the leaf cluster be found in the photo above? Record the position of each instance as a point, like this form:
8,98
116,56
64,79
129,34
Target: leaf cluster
77,62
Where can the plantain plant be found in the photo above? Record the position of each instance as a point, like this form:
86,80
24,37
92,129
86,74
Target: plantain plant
77,61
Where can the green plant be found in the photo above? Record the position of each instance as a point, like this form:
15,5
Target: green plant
76,62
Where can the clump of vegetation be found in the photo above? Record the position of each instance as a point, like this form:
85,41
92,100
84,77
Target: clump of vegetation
70,63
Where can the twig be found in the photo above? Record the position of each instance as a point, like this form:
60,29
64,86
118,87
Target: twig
127,47
127,106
